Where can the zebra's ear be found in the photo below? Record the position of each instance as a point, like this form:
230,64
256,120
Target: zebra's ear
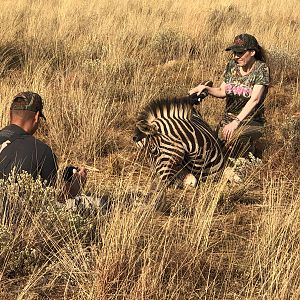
146,128
138,135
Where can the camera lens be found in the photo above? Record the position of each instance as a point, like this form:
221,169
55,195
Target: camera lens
68,173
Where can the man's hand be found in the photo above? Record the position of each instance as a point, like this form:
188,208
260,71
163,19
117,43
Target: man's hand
77,183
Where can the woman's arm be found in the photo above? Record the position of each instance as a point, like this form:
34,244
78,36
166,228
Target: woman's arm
218,92
256,95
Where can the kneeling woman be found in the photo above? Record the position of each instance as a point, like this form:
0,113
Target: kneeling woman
245,85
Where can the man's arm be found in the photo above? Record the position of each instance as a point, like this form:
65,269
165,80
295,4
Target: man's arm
78,180
70,189
48,168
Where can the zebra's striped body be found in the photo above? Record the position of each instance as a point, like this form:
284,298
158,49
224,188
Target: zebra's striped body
176,137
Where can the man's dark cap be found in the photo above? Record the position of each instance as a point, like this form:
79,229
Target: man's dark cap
243,42
28,101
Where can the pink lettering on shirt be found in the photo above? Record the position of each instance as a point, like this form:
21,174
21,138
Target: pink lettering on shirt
238,90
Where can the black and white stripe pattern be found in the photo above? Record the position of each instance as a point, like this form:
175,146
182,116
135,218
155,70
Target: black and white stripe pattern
176,137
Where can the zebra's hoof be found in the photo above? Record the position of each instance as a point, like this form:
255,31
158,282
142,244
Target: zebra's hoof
190,180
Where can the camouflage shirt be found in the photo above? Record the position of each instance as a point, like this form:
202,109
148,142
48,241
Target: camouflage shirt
239,88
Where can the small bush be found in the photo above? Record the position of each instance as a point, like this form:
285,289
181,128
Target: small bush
168,45
35,226
283,65
12,57
291,134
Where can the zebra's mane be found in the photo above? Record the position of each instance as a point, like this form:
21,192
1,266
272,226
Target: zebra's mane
167,107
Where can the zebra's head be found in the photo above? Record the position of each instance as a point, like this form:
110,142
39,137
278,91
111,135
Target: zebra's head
153,136
146,138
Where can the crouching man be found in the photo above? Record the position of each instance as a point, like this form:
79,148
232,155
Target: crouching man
21,151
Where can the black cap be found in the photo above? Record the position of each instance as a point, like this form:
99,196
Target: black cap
243,42
28,101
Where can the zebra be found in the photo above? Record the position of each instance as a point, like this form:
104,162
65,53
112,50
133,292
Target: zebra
176,138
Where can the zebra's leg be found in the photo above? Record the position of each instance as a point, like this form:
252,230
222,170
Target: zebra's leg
185,178
180,178
190,180
169,165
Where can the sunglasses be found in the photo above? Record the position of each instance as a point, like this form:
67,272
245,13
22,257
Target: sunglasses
239,53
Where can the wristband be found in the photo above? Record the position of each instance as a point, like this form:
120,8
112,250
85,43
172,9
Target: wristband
237,119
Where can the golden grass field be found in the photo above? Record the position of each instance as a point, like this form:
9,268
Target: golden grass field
96,64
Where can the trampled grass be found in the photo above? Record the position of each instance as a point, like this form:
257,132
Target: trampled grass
96,65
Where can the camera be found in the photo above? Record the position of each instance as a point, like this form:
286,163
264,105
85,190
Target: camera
196,99
68,173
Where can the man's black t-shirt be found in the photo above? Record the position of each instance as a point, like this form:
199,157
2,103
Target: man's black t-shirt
23,151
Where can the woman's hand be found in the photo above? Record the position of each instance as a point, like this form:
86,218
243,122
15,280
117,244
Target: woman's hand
198,89
229,129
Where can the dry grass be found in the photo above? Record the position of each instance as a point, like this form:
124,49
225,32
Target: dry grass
96,65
